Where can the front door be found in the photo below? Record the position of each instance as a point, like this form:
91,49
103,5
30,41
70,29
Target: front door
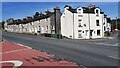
91,33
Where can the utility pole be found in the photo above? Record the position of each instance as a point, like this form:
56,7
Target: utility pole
116,23
111,25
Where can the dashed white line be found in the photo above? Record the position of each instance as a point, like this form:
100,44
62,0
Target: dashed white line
105,44
114,57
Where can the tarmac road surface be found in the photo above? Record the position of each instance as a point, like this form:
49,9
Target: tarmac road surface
78,51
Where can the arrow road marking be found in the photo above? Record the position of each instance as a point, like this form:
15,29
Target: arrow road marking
15,62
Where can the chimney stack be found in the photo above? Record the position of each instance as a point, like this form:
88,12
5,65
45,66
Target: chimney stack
57,9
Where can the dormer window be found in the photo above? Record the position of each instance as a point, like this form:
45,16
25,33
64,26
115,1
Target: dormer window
79,11
97,11
97,14
67,8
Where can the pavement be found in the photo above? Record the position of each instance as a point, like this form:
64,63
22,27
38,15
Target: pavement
0,34
119,37
20,56
88,53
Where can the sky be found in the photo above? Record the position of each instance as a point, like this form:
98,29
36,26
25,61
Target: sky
60,0
19,10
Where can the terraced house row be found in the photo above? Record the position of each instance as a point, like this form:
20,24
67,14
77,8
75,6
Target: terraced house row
38,24
79,23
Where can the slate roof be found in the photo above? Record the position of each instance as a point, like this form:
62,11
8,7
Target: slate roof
30,19
85,9
42,17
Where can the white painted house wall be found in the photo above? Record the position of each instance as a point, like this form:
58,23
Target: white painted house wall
70,22
108,27
67,23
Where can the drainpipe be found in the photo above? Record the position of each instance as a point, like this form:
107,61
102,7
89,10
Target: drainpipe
102,27
89,24
55,22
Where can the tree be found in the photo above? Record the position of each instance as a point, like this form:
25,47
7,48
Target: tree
113,22
109,20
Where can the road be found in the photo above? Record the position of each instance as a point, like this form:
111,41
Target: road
78,51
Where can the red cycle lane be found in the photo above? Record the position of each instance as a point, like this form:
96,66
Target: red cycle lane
20,56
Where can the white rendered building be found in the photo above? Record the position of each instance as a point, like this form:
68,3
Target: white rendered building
83,22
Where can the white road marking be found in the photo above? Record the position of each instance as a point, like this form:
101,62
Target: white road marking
23,45
114,57
13,51
15,62
117,44
17,49
105,44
